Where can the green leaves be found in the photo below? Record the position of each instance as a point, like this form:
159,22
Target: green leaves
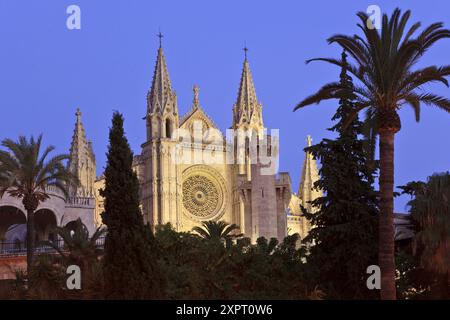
217,230
345,223
198,268
130,262
430,210
25,170
383,64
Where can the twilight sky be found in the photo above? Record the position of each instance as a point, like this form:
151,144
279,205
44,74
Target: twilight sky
46,70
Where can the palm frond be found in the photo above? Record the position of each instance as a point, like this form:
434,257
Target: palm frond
383,66
24,170
328,91
436,100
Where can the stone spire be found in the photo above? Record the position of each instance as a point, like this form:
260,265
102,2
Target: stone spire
162,110
82,161
309,176
161,94
247,111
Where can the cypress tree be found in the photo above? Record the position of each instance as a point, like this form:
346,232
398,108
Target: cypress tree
345,224
130,266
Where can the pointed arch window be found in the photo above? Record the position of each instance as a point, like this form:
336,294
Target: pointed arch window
168,128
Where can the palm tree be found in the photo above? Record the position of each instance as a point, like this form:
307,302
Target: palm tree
81,250
430,210
383,66
217,230
78,247
26,173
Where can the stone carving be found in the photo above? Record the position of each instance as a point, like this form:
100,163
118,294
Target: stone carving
200,196
203,193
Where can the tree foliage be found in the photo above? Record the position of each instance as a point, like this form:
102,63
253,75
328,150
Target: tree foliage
26,172
199,268
344,234
130,267
385,67
428,273
217,231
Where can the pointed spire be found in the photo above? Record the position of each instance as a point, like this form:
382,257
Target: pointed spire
309,176
82,160
247,92
79,137
161,91
247,109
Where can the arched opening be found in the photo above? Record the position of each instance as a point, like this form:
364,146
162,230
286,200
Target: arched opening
257,147
247,146
12,227
45,225
168,128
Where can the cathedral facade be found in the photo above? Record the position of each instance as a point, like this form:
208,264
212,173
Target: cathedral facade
190,171
186,173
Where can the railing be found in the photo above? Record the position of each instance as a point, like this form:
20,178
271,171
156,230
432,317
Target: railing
54,191
81,201
8,249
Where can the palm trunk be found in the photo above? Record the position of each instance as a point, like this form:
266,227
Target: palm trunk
386,222
30,239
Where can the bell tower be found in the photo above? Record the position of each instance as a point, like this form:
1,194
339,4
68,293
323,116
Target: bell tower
160,189
260,196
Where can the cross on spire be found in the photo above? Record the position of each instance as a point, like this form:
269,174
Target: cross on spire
245,51
160,36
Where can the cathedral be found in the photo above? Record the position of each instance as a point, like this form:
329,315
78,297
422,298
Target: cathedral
189,171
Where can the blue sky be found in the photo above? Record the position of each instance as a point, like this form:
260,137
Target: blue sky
46,70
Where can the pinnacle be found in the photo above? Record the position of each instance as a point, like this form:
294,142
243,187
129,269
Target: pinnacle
309,174
247,109
247,92
161,90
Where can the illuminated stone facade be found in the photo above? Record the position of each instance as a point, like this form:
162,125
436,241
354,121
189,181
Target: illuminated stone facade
185,194
246,191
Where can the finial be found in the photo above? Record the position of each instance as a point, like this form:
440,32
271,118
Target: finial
309,140
245,51
160,36
78,114
196,90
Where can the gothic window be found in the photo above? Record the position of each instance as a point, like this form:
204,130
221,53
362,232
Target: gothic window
247,146
201,196
203,193
257,145
168,128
